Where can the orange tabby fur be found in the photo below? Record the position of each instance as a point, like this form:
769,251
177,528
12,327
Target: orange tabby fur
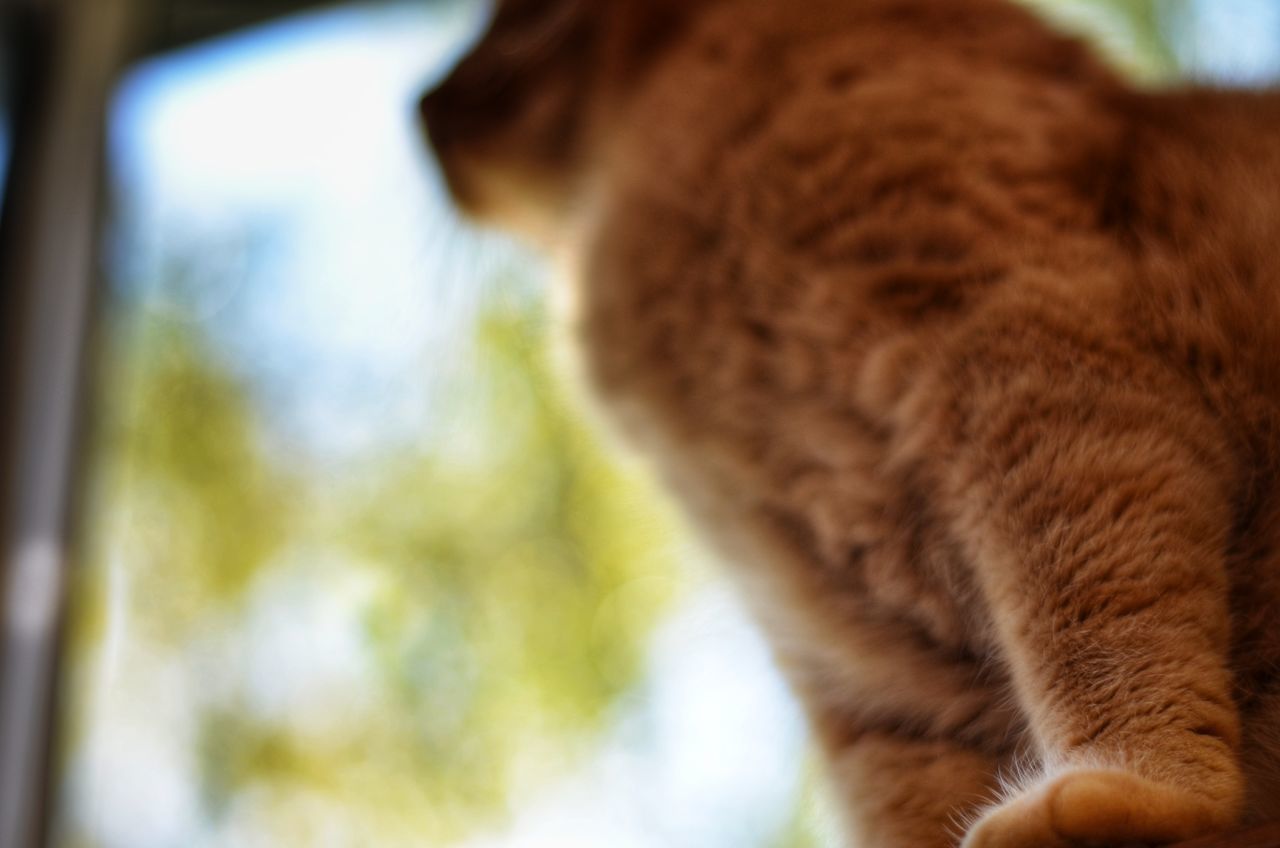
966,355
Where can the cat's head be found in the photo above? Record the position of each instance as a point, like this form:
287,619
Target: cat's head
521,118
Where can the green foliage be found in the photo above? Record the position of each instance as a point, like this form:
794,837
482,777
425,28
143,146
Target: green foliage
515,571
496,626
183,493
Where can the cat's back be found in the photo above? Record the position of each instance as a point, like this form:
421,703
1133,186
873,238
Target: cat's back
897,164
829,175
876,100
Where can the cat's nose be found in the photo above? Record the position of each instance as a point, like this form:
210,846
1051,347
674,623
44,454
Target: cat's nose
432,109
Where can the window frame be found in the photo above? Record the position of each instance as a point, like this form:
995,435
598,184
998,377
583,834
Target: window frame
65,57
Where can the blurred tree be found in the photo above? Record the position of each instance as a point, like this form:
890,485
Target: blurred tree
498,549
182,494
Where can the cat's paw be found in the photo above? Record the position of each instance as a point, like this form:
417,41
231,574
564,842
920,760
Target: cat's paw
1107,809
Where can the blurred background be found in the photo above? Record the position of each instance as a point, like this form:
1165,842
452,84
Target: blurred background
353,567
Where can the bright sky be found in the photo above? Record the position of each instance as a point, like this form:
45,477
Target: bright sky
298,144
1235,40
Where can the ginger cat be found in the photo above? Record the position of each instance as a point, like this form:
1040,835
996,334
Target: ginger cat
965,354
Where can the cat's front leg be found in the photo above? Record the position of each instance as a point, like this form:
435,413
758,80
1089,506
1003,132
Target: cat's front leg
1094,503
